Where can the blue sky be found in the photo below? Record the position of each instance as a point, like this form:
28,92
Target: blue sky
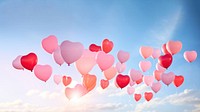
129,24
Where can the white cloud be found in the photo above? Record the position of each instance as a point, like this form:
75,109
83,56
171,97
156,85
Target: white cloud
186,98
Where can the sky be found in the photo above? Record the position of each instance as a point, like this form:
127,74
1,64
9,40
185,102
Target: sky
130,24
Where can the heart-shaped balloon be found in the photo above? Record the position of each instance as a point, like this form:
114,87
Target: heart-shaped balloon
69,92
57,79
137,97
157,74
156,53
110,73
132,83
107,45
148,96
160,68
76,92
50,44
43,72
80,90
66,80
165,60
148,80
130,90
123,56
139,80
58,57
94,48
17,63
71,51
145,65
89,81
178,80
29,61
87,61
190,56
168,78
146,51
156,86
104,60
104,83
174,47
121,67
122,80
164,49
135,74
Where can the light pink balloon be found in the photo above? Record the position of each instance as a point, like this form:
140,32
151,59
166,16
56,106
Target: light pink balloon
120,67
145,65
160,68
130,90
146,51
110,73
17,63
190,56
174,47
43,72
87,61
104,60
58,57
148,80
168,78
135,74
156,86
50,44
156,53
80,90
123,56
116,85
71,51
57,79
131,83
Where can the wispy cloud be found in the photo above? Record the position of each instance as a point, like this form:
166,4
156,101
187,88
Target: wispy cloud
184,99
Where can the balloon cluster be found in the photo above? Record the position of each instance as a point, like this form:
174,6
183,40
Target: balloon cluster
85,59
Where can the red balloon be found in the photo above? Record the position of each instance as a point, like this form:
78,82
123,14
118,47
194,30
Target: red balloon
178,80
66,80
164,49
122,80
107,45
29,61
137,97
165,60
104,83
148,96
94,48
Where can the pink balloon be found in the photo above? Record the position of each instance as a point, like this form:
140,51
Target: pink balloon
43,72
145,65
156,53
174,47
17,63
123,56
168,78
58,57
160,68
80,90
131,83
57,79
104,60
87,61
190,56
71,51
110,73
130,90
146,51
156,86
50,44
157,74
148,80
116,85
120,67
135,74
